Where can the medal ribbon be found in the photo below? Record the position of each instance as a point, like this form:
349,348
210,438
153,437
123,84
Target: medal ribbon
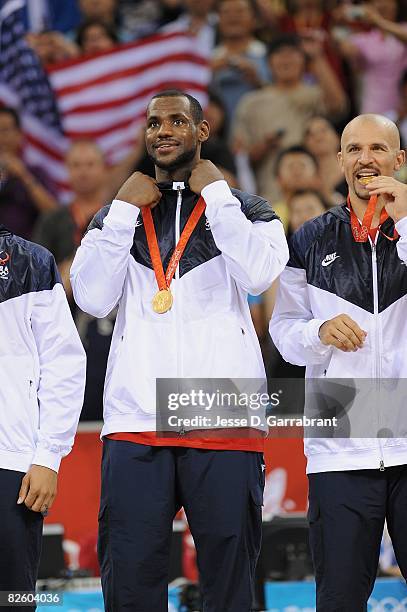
164,280
360,231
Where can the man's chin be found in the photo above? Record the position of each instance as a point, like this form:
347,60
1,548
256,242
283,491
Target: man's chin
362,194
173,163
166,164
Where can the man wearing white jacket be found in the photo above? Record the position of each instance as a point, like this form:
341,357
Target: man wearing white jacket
341,311
42,379
191,322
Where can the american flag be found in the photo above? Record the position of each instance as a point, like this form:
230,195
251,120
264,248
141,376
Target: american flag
25,86
102,97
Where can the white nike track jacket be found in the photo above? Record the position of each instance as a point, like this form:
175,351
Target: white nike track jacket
42,361
329,274
237,247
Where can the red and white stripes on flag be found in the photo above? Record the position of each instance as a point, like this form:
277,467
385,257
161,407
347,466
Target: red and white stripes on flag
104,97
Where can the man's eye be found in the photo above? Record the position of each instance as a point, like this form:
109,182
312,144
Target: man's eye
179,121
152,124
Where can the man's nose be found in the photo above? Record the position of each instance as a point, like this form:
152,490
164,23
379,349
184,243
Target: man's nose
365,156
165,128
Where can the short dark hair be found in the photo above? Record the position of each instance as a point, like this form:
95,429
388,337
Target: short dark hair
7,110
294,150
194,106
284,40
314,192
88,23
319,118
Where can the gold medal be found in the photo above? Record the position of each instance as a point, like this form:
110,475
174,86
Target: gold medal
366,179
162,301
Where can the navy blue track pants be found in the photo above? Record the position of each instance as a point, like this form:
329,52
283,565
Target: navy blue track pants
143,487
346,516
20,539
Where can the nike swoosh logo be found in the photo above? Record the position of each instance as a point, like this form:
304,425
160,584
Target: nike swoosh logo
138,223
327,262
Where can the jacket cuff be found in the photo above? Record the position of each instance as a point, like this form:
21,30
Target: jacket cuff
401,227
311,338
122,213
47,459
216,194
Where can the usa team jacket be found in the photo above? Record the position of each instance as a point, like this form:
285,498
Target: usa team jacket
328,273
42,362
237,247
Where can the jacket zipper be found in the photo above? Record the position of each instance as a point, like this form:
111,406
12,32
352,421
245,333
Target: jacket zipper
377,369
178,302
178,223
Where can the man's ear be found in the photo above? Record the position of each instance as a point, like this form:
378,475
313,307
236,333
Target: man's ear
400,159
340,160
203,131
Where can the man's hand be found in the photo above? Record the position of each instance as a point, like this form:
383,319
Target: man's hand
139,190
311,44
246,67
204,173
14,166
38,488
342,332
394,194
371,15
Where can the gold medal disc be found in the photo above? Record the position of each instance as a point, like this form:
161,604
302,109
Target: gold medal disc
366,179
162,301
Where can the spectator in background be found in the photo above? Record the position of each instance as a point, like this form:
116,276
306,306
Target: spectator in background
239,63
197,20
322,140
106,11
295,168
51,47
304,205
275,116
398,114
216,148
379,55
24,190
94,36
310,18
61,233
147,16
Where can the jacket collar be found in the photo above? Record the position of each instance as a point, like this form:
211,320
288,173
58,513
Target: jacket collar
342,212
173,186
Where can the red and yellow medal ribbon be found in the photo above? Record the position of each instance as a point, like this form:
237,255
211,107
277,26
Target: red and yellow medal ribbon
361,231
163,300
